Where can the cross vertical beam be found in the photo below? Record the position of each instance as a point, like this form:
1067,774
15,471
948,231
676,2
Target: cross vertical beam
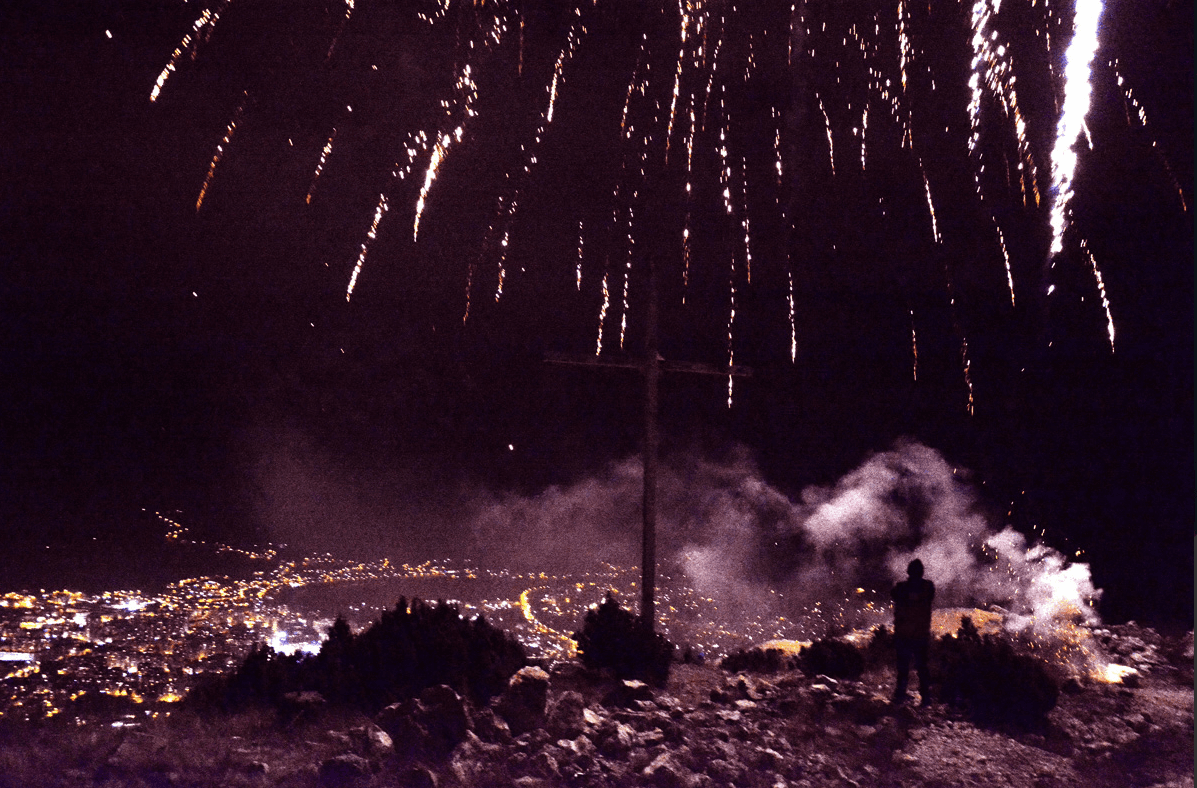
652,376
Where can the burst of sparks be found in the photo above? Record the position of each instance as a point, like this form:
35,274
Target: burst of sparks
1077,96
220,150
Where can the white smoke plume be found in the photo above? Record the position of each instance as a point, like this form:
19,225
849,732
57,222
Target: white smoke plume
730,534
738,539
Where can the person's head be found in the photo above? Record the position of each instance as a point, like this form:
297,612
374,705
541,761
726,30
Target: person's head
915,569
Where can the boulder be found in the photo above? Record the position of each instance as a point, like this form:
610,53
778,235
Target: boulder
419,777
342,771
565,714
666,772
491,728
444,716
626,694
372,741
522,704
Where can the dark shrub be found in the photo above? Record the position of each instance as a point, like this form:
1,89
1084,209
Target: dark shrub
838,659
409,649
756,660
614,638
879,651
986,676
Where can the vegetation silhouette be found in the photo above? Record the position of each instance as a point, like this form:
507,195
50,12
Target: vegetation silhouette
410,648
615,639
987,677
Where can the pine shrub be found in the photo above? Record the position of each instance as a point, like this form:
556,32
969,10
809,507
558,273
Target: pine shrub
991,680
756,660
832,657
409,649
614,638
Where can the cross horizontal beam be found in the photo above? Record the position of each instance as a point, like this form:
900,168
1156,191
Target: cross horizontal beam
690,367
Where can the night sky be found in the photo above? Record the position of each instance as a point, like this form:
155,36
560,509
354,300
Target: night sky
160,358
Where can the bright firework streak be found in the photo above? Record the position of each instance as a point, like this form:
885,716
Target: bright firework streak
340,29
968,378
1077,96
1006,257
930,204
603,315
206,19
830,143
220,149
991,69
320,165
864,127
793,330
1101,289
579,277
438,154
370,236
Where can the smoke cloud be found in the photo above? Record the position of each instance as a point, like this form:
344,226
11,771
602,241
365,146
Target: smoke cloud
730,534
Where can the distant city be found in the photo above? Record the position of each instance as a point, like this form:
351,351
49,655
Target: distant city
129,655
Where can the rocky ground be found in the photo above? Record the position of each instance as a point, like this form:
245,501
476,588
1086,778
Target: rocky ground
558,725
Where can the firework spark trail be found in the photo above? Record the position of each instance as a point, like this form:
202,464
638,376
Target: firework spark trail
1006,257
370,236
793,330
1101,289
689,206
991,69
340,29
1141,113
579,272
711,76
603,315
328,146
744,220
220,150
677,77
573,39
905,56
206,21
965,361
830,143
777,166
930,204
864,127
1077,97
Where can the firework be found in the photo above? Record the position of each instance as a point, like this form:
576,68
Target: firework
1077,96
220,150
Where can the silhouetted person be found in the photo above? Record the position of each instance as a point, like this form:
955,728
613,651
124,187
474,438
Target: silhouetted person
912,629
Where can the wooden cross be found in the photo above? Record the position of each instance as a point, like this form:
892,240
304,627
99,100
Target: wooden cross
651,365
